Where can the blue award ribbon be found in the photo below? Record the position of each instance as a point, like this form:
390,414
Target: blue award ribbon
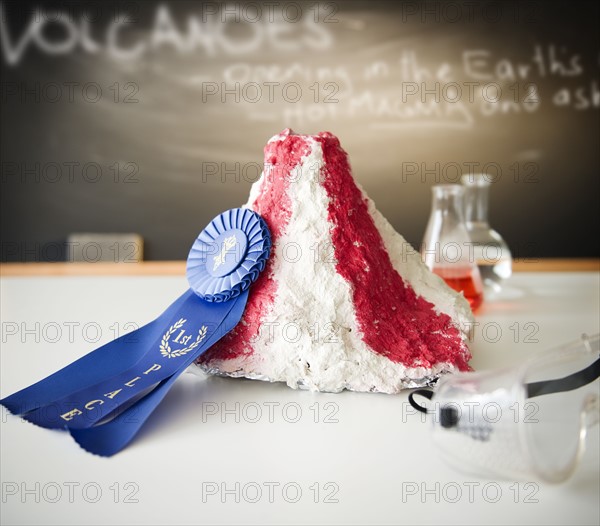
94,396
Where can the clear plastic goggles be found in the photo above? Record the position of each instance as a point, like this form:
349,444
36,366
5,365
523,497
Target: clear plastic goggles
519,423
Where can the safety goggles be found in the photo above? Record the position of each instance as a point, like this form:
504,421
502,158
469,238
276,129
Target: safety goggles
523,422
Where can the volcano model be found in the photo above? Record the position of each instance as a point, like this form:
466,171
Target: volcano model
345,302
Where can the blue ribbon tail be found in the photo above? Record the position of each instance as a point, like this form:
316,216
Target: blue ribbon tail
86,407
107,361
105,397
110,438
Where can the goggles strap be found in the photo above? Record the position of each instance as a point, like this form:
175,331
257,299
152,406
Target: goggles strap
568,383
427,393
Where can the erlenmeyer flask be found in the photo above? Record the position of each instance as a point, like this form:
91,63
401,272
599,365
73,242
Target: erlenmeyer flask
447,249
492,254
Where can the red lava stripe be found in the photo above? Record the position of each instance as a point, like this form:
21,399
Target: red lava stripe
394,321
274,204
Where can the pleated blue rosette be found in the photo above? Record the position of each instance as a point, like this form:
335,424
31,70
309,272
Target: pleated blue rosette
228,255
105,397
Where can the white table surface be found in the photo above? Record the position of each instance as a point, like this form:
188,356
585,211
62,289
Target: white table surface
367,459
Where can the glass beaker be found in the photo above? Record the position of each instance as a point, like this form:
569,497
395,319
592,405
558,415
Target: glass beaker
447,250
492,254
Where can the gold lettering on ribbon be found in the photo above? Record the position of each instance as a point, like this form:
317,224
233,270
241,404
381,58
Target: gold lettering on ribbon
112,394
132,381
228,243
165,347
155,367
69,416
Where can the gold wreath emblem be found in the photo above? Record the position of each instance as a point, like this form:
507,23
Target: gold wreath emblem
165,348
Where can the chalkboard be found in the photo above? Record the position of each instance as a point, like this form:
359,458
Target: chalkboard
151,117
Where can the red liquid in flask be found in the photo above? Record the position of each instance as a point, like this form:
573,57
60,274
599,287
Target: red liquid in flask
468,282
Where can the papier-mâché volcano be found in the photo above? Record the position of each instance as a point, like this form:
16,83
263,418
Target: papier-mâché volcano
344,302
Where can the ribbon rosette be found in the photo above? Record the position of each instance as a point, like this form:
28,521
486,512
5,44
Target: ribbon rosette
228,255
105,397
